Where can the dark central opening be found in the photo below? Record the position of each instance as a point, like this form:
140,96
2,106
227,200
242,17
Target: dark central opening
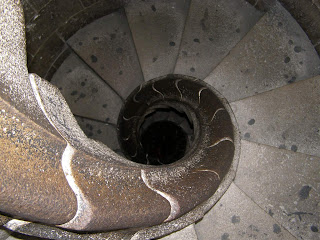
164,142
165,135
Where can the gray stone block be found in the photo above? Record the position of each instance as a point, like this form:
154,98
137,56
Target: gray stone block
211,31
286,117
106,45
284,184
235,217
276,52
187,233
86,94
100,131
157,38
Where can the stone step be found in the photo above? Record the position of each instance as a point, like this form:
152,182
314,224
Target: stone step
156,28
276,52
212,29
286,117
235,217
85,92
284,184
106,45
188,233
100,131
4,234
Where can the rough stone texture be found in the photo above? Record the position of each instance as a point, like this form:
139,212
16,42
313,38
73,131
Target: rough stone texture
85,92
236,216
287,117
61,117
50,232
107,47
274,53
205,42
187,233
118,196
100,131
16,236
33,184
157,38
15,86
302,192
284,184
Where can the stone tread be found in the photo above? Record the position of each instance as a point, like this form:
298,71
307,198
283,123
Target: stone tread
100,131
286,117
86,94
106,45
276,52
284,184
211,31
157,39
235,216
188,233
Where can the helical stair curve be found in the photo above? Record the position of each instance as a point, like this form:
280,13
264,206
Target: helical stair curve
132,136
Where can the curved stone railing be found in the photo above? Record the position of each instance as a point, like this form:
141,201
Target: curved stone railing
53,174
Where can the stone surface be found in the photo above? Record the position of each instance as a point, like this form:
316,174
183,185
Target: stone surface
157,27
4,219
34,185
287,117
39,4
235,217
52,15
276,52
284,184
306,13
15,86
4,234
91,13
86,93
211,31
28,11
187,233
46,56
107,47
100,131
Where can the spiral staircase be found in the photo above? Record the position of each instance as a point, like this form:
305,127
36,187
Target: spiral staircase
254,53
